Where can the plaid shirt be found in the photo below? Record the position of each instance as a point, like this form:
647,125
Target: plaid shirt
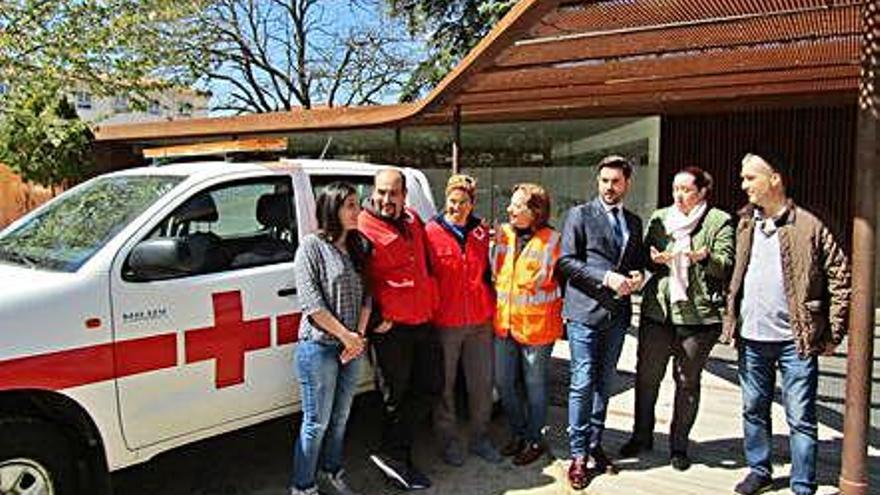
326,279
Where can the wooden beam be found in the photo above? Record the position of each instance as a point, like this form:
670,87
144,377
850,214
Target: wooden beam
217,147
456,139
844,51
659,85
637,108
663,99
336,118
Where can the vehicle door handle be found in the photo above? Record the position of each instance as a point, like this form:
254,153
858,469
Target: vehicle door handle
289,291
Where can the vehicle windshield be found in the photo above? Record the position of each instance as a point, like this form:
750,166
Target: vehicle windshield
69,231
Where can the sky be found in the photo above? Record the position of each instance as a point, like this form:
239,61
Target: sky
339,16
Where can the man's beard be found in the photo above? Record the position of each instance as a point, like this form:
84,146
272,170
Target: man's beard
392,215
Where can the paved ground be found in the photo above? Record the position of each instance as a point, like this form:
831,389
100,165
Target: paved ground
257,461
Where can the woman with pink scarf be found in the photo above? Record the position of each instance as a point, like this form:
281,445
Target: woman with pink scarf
692,247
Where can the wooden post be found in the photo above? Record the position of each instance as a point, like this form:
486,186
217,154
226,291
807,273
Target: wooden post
397,149
456,139
856,420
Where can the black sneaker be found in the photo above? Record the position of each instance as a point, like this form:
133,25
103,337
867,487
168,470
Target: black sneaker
417,479
599,461
753,484
395,471
680,461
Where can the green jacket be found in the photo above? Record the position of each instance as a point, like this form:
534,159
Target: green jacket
707,280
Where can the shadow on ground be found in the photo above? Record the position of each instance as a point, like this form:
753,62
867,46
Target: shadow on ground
258,461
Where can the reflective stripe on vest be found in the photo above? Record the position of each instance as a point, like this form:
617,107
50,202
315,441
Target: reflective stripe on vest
540,298
547,262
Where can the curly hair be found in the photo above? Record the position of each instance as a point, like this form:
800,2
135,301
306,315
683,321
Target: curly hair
537,201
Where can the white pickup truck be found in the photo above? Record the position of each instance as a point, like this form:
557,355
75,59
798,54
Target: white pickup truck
153,307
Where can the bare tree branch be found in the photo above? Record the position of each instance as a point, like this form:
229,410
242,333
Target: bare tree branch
284,54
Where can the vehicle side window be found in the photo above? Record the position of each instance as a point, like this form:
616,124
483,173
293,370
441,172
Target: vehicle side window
232,226
363,184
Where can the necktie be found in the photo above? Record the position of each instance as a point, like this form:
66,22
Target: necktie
617,228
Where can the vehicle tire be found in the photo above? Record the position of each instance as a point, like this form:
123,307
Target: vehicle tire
36,458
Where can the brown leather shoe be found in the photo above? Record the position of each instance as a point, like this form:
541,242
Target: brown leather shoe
578,474
601,462
513,447
531,453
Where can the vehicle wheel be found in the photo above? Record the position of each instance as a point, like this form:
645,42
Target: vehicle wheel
35,459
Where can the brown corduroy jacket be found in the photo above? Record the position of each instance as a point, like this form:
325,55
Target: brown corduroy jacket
816,279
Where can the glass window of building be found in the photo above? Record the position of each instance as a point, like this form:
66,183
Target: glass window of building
83,100
120,104
184,108
560,155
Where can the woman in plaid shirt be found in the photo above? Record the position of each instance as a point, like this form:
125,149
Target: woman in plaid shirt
328,269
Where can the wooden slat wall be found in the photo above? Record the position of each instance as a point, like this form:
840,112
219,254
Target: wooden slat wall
587,16
819,143
17,197
727,33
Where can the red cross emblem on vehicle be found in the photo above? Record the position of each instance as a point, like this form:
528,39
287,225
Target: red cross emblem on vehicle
228,340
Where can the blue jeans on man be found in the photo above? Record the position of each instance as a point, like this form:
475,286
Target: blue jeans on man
595,351
534,360
757,375
328,389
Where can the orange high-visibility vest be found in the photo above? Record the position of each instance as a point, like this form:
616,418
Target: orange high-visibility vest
529,299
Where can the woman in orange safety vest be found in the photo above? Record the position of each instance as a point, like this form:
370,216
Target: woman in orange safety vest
528,316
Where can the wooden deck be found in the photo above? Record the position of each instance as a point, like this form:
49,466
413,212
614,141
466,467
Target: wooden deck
716,448
257,461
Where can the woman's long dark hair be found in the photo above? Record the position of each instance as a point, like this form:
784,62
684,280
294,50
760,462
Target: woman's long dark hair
328,204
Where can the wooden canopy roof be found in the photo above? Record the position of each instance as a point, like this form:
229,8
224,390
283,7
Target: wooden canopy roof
555,58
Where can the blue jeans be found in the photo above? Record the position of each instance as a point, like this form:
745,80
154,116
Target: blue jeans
328,388
510,356
594,355
800,376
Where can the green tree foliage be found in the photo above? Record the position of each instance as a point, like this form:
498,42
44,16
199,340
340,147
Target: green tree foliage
51,48
42,139
107,47
450,29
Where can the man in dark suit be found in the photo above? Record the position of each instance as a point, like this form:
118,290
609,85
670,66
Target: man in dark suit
601,263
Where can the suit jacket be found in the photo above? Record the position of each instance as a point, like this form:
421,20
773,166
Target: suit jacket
588,252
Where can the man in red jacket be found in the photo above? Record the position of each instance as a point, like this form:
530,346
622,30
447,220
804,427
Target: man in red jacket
404,294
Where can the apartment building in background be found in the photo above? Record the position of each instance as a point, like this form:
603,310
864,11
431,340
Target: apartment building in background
174,104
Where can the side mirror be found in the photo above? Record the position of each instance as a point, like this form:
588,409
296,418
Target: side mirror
158,259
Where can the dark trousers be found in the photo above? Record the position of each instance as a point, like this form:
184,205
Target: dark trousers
472,347
689,346
408,374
